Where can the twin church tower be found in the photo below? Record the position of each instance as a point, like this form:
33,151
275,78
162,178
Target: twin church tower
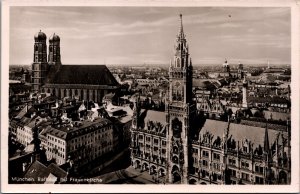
84,82
41,61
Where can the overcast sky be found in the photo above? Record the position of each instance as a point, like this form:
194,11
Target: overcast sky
137,35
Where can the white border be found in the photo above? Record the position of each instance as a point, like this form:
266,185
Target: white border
294,187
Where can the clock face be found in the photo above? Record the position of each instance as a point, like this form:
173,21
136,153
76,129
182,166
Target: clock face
177,84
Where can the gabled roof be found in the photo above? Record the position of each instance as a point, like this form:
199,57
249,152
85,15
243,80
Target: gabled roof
81,74
37,171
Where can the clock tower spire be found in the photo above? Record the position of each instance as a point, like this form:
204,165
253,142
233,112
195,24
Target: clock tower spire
180,110
181,70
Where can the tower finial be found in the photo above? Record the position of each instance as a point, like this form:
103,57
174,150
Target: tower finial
181,26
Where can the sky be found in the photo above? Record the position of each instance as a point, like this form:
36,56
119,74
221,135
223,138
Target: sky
146,35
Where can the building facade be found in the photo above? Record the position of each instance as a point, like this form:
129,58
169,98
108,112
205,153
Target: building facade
180,146
81,141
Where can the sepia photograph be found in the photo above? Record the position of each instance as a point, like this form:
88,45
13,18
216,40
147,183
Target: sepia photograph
143,94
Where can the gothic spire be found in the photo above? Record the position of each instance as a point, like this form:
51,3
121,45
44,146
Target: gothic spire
266,140
181,33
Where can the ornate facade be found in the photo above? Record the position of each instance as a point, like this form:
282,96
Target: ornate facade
180,146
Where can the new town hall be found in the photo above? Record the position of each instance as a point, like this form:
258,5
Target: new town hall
180,145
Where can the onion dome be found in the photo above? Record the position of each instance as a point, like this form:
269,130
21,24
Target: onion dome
54,38
40,36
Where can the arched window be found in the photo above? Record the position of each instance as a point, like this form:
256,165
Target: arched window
178,62
81,94
175,150
177,128
175,159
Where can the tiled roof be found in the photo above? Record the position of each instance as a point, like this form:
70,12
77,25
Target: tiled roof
239,132
23,111
81,74
36,121
275,99
155,116
69,132
37,171
57,171
58,133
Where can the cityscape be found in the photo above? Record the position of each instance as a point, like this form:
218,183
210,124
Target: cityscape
225,121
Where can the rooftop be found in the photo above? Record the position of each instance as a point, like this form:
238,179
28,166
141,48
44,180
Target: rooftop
68,131
81,74
238,132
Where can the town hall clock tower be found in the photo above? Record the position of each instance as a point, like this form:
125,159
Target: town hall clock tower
180,111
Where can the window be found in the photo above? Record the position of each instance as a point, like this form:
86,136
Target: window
216,166
155,141
245,164
259,180
232,161
141,137
205,163
232,172
216,156
195,151
147,147
141,145
195,160
175,159
163,143
245,176
205,154
148,139
259,169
